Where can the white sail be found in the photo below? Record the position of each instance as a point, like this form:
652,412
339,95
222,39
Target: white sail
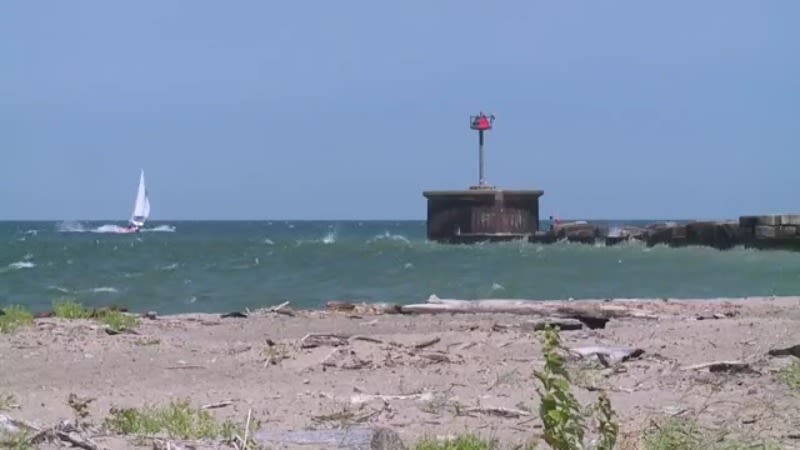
141,209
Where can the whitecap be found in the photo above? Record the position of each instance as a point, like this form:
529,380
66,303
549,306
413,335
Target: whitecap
100,289
387,236
160,229
63,290
21,265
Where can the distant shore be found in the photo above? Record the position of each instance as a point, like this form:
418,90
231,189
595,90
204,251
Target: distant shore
421,375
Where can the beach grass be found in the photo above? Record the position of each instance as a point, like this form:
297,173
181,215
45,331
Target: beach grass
791,376
71,309
178,420
68,308
14,317
15,441
118,321
465,442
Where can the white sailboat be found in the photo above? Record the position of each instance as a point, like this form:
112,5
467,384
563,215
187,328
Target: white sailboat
141,209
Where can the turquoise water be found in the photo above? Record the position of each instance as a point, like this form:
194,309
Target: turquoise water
220,266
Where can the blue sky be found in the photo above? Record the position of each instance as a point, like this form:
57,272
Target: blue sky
350,109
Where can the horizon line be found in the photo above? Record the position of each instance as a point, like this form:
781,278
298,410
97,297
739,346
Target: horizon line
357,220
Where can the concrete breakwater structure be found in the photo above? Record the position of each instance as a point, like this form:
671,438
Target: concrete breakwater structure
482,212
485,213
779,231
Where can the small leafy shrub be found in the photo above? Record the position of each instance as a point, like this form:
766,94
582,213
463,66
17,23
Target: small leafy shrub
559,410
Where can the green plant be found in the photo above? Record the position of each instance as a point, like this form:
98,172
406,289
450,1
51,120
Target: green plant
559,410
178,420
16,441
8,402
607,425
79,406
234,434
467,442
14,317
117,321
67,308
791,375
675,433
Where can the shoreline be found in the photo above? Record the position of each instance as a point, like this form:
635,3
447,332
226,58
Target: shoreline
421,375
412,308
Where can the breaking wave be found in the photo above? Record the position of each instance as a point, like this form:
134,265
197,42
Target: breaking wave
78,227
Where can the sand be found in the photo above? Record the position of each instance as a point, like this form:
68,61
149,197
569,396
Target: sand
478,362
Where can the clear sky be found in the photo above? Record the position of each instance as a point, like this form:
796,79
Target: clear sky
350,109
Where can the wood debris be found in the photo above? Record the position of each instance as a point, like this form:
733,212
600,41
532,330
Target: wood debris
723,366
333,340
497,412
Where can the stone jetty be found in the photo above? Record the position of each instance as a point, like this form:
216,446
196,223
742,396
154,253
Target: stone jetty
779,231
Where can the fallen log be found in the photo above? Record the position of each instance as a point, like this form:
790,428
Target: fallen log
608,355
354,438
788,351
593,315
724,366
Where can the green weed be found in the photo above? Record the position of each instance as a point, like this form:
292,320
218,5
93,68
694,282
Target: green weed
67,308
16,441
178,420
559,411
466,442
14,317
118,321
8,402
791,375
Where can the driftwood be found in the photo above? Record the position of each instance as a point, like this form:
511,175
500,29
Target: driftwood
723,366
788,351
281,309
64,431
427,343
498,412
608,355
591,314
334,340
358,399
562,324
13,426
344,359
354,438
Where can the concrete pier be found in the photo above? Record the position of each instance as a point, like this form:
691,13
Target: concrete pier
482,214
779,231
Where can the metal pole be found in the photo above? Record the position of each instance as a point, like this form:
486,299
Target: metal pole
481,180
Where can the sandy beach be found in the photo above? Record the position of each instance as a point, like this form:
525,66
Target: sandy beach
421,375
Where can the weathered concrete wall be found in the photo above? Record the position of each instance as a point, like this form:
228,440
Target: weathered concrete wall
773,231
482,215
764,232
